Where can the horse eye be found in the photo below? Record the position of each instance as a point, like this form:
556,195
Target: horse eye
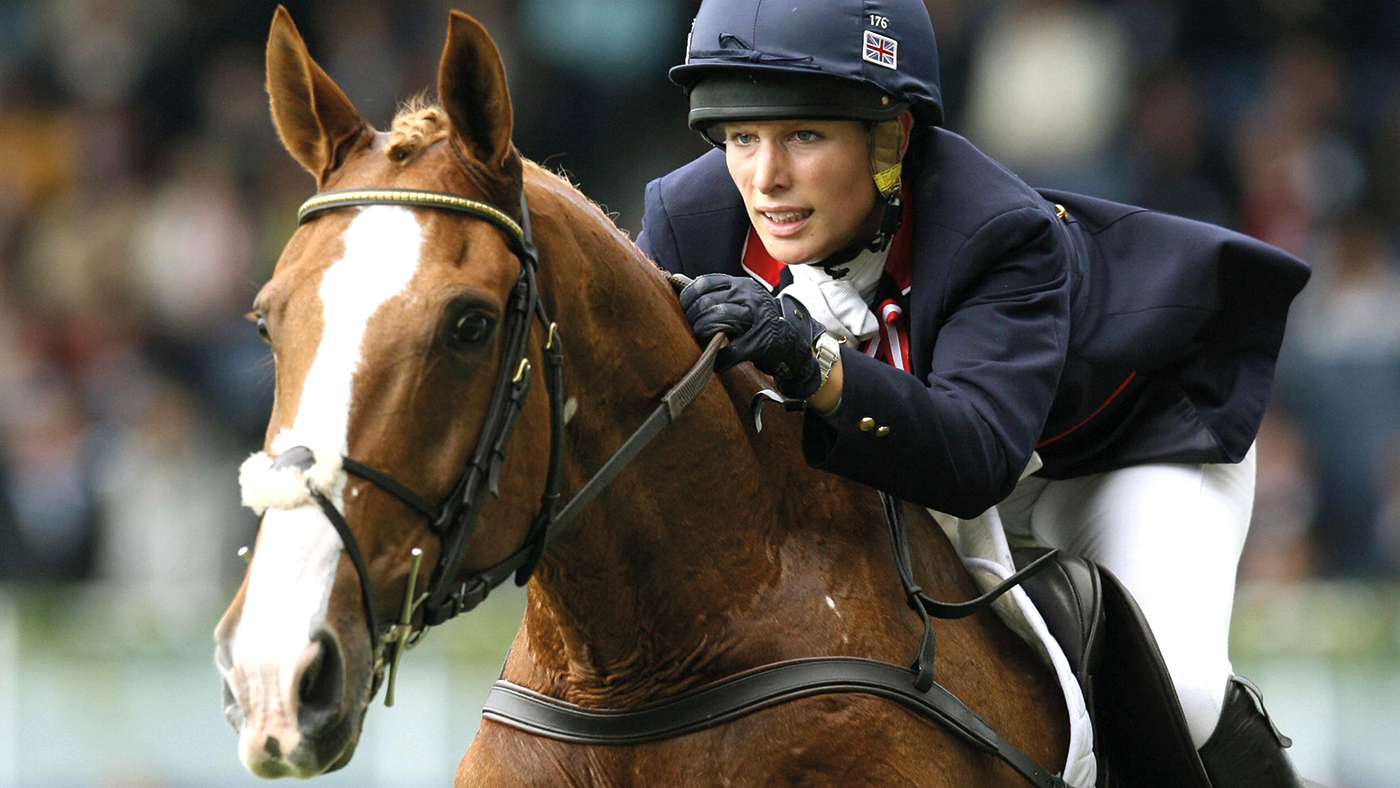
471,328
262,330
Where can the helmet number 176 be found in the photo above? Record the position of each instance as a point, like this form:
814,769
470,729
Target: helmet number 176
881,22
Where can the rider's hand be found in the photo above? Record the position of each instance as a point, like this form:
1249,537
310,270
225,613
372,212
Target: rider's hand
775,334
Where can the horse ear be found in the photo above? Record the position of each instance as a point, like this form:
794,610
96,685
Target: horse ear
313,116
472,89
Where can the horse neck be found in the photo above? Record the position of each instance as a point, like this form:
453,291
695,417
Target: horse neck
652,585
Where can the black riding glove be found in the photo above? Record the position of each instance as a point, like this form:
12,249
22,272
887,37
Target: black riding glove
775,334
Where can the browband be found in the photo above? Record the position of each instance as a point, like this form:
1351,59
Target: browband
342,198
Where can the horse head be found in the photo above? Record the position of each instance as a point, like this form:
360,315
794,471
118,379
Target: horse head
387,324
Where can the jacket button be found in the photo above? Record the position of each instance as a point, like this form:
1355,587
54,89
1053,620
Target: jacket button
882,432
867,424
1061,213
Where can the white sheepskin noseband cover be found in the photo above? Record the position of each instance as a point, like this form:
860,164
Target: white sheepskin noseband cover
286,488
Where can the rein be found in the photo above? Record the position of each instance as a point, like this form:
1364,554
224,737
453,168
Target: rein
454,521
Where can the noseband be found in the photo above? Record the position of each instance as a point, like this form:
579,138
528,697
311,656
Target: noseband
454,521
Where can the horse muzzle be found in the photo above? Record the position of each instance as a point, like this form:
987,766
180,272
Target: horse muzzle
297,716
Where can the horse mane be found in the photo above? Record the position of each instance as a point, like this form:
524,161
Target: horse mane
418,123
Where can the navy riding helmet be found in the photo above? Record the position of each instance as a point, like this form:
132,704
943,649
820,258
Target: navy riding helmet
820,59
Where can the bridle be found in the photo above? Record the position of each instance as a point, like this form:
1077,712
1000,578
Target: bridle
454,521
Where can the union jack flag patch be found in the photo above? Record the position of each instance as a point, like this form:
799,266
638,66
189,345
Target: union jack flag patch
880,50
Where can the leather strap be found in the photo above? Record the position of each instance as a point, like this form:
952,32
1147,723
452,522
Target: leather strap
399,489
455,520
524,709
549,499
770,685
927,606
420,198
474,590
673,402
352,548
459,516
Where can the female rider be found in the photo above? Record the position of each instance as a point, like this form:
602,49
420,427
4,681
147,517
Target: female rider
973,323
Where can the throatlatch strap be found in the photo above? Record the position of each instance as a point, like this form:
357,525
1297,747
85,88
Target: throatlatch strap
549,499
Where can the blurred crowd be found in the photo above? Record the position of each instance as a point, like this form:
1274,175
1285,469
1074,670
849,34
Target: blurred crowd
144,197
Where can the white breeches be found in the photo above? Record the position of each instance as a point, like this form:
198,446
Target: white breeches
1173,535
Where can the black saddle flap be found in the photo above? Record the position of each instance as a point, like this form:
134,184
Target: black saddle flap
1139,717
1069,598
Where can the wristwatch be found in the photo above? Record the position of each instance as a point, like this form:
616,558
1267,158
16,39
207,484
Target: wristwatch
827,349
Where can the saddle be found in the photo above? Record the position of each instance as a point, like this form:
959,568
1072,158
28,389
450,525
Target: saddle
1140,734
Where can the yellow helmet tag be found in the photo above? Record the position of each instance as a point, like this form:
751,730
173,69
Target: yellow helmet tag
888,180
885,141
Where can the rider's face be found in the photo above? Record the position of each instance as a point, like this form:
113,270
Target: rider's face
806,183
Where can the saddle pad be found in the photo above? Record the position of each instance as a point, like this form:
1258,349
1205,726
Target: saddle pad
981,542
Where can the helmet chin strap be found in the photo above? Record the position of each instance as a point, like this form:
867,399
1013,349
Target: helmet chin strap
890,210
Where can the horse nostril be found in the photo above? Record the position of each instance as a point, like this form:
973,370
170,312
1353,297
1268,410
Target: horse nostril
233,712
308,692
321,685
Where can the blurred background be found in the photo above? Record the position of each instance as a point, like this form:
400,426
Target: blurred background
144,198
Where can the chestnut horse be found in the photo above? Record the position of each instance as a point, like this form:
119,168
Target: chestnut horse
715,552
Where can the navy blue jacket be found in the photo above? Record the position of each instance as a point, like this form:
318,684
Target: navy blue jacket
1116,336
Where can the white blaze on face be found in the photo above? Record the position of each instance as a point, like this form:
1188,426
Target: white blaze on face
298,549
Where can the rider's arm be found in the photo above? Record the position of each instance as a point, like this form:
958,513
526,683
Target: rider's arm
958,440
